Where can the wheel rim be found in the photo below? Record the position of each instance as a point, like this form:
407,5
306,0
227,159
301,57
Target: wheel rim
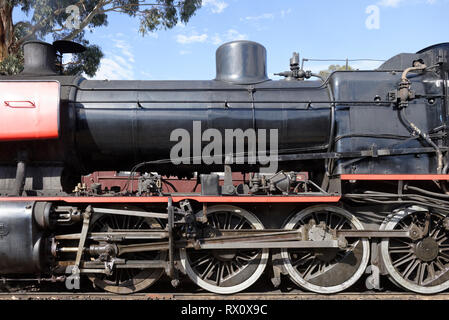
417,265
326,270
226,271
126,281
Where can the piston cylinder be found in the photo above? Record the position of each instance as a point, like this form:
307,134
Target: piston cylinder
21,242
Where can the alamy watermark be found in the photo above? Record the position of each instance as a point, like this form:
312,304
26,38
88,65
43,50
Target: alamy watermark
72,281
73,21
189,148
373,19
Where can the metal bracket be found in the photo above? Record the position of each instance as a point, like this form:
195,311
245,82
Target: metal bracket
19,182
271,245
276,279
228,186
172,272
334,186
86,222
375,269
373,281
352,233
143,214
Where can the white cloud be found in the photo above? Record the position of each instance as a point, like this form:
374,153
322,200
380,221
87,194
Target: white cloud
184,52
204,37
260,17
153,35
216,6
229,35
122,61
125,49
181,38
180,25
233,34
285,12
216,39
112,69
396,3
146,75
365,65
117,64
390,3
316,67
259,22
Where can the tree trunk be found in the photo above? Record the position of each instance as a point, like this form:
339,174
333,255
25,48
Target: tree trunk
6,29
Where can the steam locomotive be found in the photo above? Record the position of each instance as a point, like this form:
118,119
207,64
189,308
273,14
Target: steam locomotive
359,191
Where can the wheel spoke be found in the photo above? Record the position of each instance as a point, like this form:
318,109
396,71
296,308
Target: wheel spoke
228,267
340,223
431,270
412,266
201,261
308,256
244,256
444,256
441,239
328,219
403,225
220,273
439,264
401,241
240,224
115,223
310,268
228,221
206,272
315,217
403,259
421,272
400,247
400,250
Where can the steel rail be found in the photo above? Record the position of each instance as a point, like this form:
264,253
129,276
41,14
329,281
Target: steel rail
274,295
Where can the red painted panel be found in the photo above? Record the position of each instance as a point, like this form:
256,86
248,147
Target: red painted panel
394,177
226,199
29,110
109,179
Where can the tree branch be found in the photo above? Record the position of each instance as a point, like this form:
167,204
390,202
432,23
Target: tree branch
88,19
40,25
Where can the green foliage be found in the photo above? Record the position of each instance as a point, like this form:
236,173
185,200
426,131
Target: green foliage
332,68
86,62
167,14
12,64
48,18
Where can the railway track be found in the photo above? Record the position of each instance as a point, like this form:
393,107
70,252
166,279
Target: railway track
210,296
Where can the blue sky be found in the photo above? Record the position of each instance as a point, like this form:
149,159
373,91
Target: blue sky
316,29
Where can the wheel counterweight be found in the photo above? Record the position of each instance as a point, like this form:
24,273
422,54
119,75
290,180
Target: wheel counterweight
325,270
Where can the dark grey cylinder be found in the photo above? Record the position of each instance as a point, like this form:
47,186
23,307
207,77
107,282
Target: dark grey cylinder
241,62
39,58
20,241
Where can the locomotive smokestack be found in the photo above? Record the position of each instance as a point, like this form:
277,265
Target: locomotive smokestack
241,62
39,58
